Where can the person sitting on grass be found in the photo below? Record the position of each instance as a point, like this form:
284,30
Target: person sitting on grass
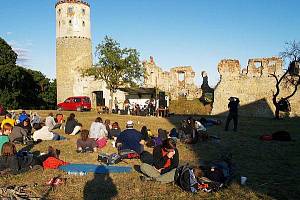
165,162
8,119
98,129
6,131
42,133
72,126
50,122
157,141
86,144
115,131
130,139
18,135
11,162
26,126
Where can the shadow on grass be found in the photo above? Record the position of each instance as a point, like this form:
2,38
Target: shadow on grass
270,166
101,187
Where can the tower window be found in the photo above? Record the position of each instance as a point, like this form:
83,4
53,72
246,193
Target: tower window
59,11
83,24
70,10
59,24
83,11
70,22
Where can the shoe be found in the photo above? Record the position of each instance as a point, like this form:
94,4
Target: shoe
57,182
50,182
145,178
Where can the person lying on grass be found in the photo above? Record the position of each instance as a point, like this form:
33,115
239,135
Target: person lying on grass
86,144
53,161
165,162
42,133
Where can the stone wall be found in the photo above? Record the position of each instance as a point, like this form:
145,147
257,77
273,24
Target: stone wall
72,55
178,82
252,85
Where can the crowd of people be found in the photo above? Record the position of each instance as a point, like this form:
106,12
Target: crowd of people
31,128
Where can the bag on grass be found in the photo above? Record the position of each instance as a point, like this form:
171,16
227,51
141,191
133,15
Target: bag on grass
129,154
185,179
109,159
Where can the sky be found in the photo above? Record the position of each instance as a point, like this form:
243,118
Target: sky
197,33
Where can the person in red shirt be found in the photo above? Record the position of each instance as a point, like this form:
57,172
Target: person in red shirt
53,161
165,162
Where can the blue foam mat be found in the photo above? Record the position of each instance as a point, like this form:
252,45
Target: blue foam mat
97,169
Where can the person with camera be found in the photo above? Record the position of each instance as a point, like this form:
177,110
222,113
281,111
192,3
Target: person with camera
233,113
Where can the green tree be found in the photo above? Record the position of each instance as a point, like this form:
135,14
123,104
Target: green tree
7,55
117,67
21,87
290,79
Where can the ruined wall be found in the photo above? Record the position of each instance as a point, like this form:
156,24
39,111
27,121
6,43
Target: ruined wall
252,85
178,82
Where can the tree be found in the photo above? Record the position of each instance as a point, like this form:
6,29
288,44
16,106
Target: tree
21,87
7,55
290,80
117,67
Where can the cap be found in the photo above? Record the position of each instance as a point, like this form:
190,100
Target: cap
129,123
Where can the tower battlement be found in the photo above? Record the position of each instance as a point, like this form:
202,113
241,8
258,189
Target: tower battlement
72,1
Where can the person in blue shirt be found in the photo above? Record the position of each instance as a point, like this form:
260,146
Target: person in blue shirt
130,139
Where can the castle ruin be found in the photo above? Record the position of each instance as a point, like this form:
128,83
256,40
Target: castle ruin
253,86
179,81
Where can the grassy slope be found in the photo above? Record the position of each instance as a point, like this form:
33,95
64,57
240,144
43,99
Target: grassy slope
272,168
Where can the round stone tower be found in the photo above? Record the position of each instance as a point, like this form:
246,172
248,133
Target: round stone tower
73,45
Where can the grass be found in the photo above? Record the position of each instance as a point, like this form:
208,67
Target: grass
272,167
189,107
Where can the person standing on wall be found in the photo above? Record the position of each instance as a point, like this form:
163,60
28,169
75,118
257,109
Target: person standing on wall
233,113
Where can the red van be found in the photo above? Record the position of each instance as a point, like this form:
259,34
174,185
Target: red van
79,103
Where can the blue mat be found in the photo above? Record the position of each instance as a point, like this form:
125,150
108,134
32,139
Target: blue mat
97,169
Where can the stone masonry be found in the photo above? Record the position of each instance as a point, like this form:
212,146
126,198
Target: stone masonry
253,86
179,81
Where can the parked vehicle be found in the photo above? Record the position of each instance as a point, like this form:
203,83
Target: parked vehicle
79,103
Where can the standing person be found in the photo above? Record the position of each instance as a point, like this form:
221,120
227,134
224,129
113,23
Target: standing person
165,162
130,139
116,105
72,126
233,112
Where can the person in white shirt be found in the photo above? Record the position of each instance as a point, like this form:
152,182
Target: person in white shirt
98,129
42,133
50,122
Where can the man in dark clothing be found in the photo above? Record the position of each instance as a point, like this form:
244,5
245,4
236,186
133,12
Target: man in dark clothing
233,112
165,162
130,139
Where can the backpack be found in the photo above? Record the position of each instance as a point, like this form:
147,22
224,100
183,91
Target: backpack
109,159
185,179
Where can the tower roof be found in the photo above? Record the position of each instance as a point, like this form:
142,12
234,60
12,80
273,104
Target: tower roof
72,1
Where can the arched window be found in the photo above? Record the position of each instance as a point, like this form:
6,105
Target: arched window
70,10
59,11
83,11
70,22
83,23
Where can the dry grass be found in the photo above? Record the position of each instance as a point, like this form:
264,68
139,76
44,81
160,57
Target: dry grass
272,168
189,107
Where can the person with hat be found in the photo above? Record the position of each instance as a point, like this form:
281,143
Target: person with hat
130,139
8,119
233,113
